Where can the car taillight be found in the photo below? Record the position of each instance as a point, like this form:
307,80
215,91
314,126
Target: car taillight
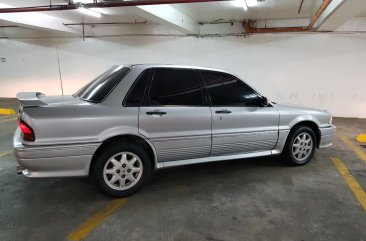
27,131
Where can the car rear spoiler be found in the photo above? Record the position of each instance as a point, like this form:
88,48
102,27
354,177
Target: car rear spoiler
30,99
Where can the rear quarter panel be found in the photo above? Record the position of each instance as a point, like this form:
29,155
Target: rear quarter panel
75,124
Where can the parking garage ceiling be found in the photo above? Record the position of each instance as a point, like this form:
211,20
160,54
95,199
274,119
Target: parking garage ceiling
179,18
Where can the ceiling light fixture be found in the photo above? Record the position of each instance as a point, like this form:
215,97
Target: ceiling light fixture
253,3
83,1
240,3
89,12
100,10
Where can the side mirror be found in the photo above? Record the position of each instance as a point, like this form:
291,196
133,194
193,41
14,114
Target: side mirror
264,101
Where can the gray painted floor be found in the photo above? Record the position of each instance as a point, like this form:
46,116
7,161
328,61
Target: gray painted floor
253,199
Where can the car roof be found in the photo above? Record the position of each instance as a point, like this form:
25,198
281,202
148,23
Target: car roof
173,66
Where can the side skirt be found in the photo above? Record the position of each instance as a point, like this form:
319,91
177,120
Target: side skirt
212,159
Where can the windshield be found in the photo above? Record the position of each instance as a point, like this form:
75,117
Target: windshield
98,89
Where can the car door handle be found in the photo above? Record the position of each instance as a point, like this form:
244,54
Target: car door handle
223,112
156,113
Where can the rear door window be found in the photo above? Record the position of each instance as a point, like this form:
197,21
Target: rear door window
137,92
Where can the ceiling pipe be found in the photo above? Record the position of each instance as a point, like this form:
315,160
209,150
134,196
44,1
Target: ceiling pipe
316,16
72,6
300,7
111,23
10,26
248,29
247,24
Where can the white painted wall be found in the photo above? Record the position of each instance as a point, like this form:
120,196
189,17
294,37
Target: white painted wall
325,71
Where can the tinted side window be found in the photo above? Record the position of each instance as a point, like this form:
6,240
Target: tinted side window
98,89
226,90
136,94
175,87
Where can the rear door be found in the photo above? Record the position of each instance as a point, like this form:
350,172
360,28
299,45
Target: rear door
240,124
174,115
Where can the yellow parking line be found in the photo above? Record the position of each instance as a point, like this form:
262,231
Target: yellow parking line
361,138
8,119
354,148
7,112
6,116
2,154
84,229
351,181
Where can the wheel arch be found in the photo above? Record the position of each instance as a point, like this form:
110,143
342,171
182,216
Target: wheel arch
312,125
148,146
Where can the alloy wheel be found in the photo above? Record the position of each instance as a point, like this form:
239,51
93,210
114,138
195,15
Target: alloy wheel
123,170
302,146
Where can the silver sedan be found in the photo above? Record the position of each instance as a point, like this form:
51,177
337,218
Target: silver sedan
136,118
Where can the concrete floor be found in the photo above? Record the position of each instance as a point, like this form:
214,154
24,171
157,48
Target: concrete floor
254,199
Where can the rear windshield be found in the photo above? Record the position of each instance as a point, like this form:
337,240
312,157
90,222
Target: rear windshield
98,89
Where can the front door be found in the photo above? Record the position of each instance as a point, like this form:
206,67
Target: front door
174,115
240,123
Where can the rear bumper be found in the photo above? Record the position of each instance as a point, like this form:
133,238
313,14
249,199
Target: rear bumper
53,160
326,136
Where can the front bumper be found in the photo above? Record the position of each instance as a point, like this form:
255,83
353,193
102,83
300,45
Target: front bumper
327,134
53,160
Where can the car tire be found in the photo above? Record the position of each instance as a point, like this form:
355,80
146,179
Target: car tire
300,146
121,169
